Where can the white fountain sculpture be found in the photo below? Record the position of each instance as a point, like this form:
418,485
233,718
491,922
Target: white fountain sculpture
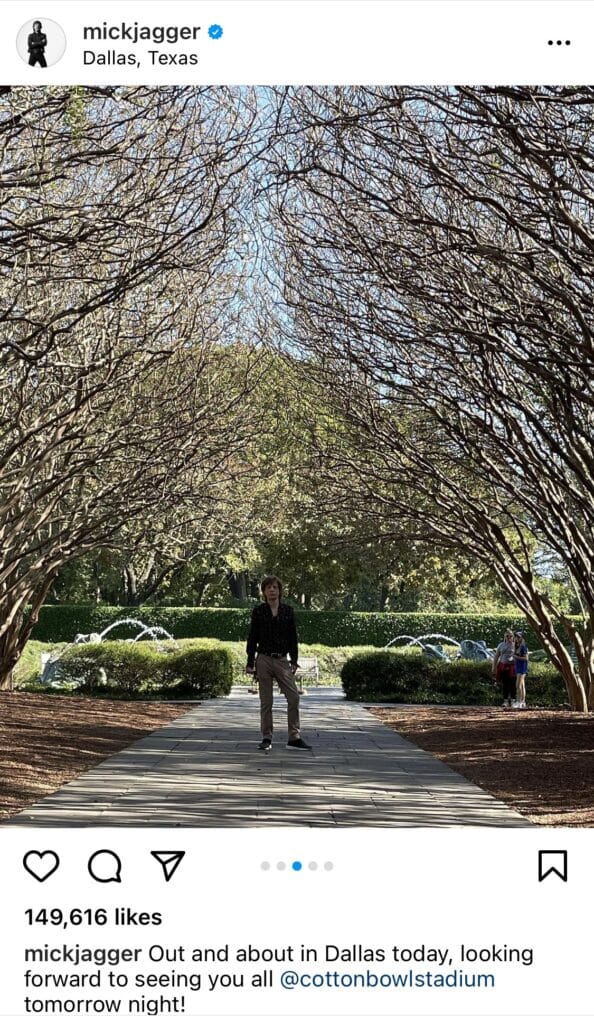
473,650
50,662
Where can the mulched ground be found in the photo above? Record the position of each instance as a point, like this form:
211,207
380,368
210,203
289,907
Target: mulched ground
46,741
539,762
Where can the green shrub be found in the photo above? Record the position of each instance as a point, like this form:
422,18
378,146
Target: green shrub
130,668
199,669
376,629
409,678
28,669
545,686
331,659
383,672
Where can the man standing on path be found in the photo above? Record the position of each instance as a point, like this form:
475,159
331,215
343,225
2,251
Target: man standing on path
36,44
273,636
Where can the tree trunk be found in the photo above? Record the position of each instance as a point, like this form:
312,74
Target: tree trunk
97,583
238,585
522,589
10,652
584,650
578,683
14,638
590,666
131,586
200,589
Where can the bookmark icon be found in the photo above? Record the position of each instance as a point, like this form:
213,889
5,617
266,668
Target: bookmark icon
552,862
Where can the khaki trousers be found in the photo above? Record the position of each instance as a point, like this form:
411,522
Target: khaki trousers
267,670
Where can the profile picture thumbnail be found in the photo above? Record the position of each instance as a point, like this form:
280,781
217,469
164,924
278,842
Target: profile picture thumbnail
41,42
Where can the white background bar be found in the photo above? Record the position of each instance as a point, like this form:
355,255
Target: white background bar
317,41
414,889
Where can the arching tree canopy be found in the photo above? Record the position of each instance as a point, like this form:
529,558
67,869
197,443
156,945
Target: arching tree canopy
121,217
419,260
439,251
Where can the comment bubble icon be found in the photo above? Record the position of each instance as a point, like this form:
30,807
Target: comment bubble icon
105,866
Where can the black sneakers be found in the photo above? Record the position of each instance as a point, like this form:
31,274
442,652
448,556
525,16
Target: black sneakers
298,745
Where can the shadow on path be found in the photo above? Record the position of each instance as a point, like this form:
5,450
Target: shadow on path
205,770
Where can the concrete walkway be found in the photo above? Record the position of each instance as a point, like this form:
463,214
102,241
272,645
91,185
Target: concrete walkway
204,770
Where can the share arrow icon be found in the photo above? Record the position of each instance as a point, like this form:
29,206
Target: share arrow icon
169,860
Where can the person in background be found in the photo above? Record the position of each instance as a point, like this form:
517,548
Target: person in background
273,637
521,667
36,44
504,668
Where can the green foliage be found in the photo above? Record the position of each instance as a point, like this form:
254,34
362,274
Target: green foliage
378,628
330,661
75,114
200,671
62,622
409,678
27,670
383,672
207,668
331,629
132,669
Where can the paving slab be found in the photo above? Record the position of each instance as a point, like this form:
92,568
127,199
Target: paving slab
204,771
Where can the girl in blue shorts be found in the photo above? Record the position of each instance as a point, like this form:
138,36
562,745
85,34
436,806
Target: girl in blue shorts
521,666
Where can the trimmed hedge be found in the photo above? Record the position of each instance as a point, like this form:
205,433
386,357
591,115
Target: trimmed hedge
130,669
61,623
409,678
330,659
207,668
200,671
331,629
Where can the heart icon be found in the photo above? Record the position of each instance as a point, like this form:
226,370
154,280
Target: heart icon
41,865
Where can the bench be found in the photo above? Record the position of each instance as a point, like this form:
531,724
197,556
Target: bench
308,669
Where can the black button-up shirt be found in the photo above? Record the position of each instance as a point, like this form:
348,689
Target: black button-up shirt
272,634
36,42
